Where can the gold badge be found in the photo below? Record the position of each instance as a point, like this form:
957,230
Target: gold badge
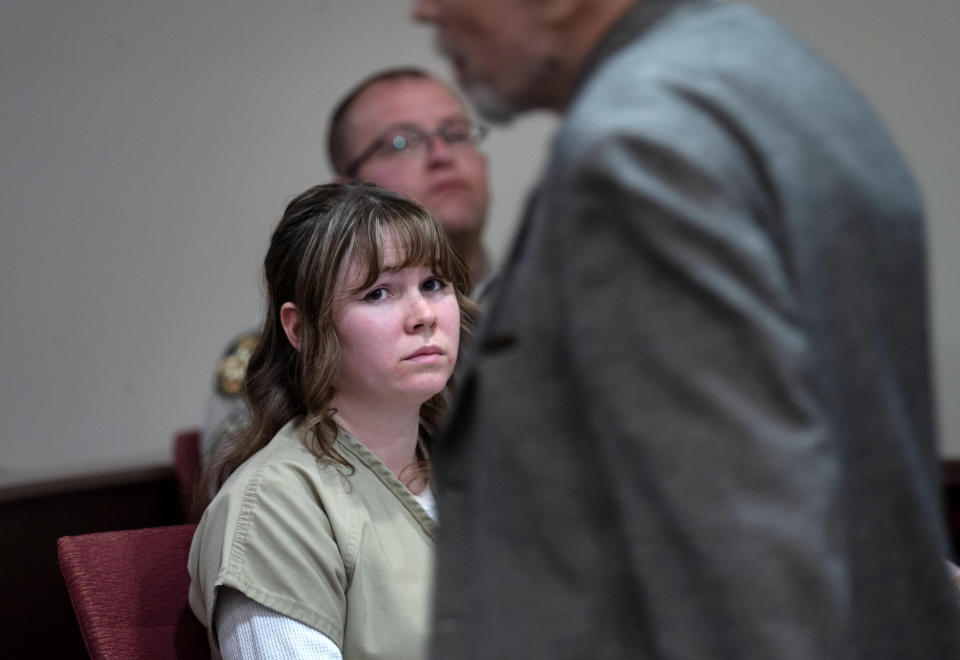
232,367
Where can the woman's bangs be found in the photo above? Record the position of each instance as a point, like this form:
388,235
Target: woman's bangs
420,239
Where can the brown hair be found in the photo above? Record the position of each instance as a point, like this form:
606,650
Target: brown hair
323,228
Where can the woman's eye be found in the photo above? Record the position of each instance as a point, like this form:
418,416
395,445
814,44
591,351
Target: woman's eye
376,294
434,284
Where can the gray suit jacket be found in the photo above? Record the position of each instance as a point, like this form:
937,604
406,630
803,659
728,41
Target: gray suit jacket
697,421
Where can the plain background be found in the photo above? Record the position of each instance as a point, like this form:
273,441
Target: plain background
148,148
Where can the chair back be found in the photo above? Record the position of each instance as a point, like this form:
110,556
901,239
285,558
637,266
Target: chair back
129,592
187,462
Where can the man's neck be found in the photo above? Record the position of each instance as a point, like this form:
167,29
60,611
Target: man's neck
474,257
580,33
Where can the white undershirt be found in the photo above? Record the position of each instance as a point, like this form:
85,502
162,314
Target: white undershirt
248,630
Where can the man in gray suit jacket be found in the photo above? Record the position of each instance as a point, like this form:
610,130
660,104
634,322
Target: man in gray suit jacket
697,421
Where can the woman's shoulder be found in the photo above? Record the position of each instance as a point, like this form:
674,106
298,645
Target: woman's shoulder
286,479
284,467
281,492
278,532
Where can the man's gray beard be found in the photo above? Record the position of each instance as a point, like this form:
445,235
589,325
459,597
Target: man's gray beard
489,104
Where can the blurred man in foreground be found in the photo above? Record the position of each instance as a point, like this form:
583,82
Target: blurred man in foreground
698,419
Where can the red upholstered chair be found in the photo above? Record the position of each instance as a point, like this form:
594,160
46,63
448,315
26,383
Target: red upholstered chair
129,592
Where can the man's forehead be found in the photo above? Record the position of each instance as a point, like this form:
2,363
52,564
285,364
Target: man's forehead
418,101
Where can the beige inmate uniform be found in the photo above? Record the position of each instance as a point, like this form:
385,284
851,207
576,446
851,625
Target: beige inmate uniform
350,555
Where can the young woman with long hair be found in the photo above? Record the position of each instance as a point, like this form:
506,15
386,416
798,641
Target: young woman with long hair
319,540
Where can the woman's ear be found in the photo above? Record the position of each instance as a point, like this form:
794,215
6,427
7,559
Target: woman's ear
290,320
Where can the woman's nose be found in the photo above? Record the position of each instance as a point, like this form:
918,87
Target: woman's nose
421,314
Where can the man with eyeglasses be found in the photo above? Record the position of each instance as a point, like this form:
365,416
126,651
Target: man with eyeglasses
404,130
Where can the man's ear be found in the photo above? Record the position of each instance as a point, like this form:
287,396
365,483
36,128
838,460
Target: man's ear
290,320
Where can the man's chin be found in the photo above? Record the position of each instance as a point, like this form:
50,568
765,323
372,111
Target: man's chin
458,222
489,103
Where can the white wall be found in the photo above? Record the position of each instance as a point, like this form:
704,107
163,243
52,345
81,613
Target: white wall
147,149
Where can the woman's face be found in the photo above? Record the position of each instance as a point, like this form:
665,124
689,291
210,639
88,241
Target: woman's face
399,337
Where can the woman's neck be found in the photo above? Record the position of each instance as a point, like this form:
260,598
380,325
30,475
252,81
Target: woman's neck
390,434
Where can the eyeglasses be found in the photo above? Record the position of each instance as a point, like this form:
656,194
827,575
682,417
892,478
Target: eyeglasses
407,140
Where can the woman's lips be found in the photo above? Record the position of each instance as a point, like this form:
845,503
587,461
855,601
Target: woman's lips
426,354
